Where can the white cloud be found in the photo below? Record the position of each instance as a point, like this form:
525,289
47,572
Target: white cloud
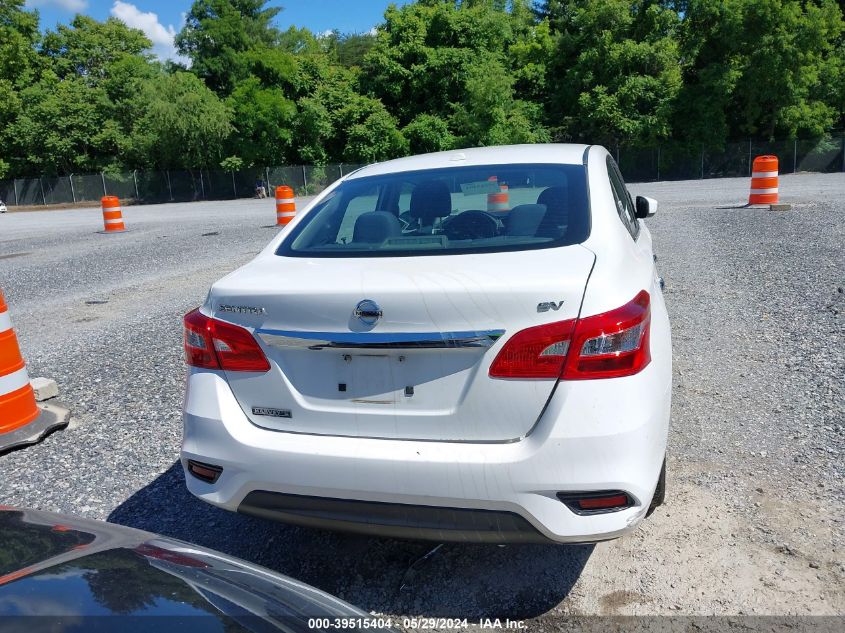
67,5
373,31
162,37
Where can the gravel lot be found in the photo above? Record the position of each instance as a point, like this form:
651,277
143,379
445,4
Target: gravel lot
755,517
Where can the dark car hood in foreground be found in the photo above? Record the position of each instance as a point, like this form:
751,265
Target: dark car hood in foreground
74,572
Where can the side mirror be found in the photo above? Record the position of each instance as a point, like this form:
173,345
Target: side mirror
646,207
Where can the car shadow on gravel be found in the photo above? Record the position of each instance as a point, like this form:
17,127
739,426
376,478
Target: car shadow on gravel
380,575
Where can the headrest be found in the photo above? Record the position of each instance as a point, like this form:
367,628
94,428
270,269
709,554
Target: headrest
524,219
555,199
375,227
429,200
556,219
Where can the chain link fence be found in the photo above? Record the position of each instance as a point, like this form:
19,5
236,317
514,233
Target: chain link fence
668,161
151,187
677,162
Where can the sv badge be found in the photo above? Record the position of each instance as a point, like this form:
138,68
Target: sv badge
545,306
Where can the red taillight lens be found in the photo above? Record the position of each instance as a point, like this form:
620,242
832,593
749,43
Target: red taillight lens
214,344
199,350
608,345
537,352
612,344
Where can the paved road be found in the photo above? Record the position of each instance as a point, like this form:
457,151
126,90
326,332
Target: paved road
754,522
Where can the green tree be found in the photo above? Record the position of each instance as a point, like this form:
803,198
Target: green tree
618,65
760,68
489,114
19,64
218,34
263,123
472,64
64,128
19,37
87,48
336,123
180,123
428,133
424,52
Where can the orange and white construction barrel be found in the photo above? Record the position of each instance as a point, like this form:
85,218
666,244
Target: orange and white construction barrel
764,180
285,205
112,215
500,200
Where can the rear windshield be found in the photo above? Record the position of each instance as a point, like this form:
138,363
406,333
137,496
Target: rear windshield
446,212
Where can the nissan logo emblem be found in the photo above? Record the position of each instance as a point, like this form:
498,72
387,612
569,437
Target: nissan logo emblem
368,312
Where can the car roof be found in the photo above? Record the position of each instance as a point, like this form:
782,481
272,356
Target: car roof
558,153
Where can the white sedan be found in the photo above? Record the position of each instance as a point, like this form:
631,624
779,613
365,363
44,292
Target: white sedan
467,345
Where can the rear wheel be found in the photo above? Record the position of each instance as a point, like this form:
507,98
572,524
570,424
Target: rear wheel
660,491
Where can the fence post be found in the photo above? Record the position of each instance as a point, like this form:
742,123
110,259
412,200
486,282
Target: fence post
750,158
202,185
658,162
843,151
15,187
72,192
304,181
267,180
794,154
169,188
43,198
135,180
702,162
234,187
103,177
341,169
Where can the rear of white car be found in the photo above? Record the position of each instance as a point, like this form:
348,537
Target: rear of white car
406,360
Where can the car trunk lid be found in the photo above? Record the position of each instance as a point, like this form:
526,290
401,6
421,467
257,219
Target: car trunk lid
398,347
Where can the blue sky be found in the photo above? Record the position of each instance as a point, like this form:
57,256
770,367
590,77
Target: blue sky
162,19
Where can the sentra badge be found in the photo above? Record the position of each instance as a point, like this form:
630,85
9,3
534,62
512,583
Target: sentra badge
242,309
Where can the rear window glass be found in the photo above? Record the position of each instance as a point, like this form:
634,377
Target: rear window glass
447,211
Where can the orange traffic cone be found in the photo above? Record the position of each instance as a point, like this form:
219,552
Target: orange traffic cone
285,205
764,180
112,216
22,421
500,200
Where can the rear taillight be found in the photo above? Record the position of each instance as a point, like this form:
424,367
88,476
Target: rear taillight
214,344
608,345
537,352
612,344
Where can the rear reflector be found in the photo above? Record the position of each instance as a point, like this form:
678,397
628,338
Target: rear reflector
214,344
206,472
596,502
607,345
603,503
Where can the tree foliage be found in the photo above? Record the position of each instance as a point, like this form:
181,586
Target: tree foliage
218,35
434,75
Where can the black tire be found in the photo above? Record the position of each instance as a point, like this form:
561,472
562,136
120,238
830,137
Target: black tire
659,492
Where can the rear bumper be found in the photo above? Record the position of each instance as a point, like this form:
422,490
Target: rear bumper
594,435
393,520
